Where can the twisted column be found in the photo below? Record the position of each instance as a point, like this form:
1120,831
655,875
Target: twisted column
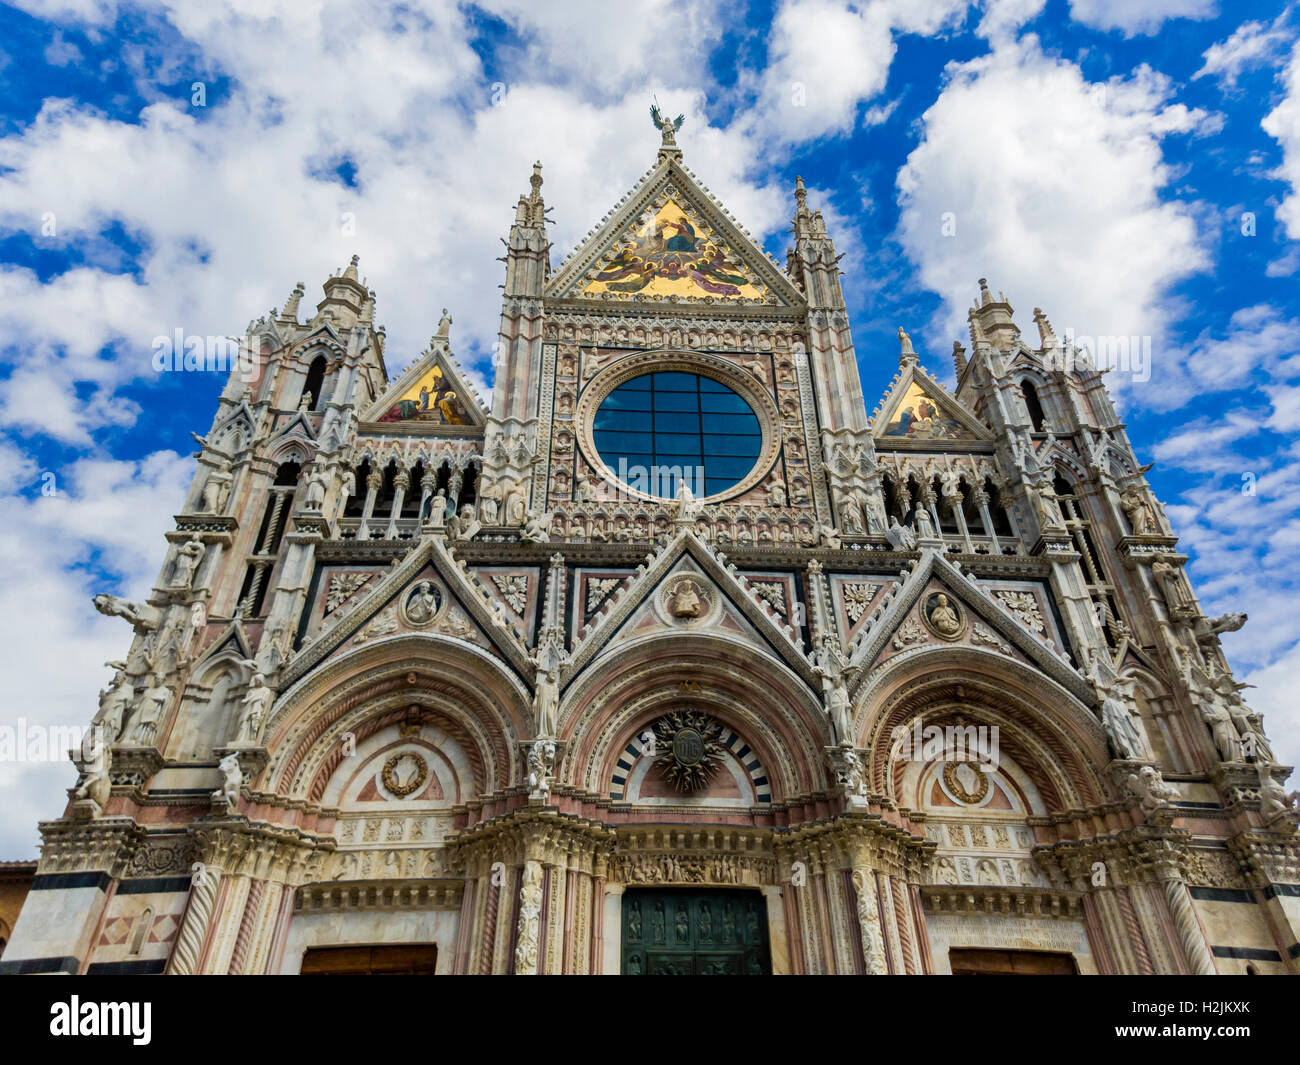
194,928
1189,929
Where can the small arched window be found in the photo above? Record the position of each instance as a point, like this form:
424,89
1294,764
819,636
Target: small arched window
315,384
1034,404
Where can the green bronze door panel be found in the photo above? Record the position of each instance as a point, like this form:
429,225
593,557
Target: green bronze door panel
694,933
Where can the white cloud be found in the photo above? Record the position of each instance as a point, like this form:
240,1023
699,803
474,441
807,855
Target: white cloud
1056,180
826,57
1138,16
106,515
1283,125
1251,44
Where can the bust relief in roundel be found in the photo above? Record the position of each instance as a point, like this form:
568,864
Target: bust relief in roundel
686,598
422,604
943,615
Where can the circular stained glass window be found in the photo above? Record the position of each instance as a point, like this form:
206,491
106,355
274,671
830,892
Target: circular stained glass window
660,429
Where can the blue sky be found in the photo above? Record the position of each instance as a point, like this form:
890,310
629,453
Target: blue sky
1130,166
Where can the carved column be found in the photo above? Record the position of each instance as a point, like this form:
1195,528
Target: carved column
1189,929
868,913
527,939
374,481
400,484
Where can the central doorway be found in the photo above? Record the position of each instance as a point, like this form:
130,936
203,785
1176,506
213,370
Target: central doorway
693,932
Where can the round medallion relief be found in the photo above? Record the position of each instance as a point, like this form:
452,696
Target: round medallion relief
943,616
404,774
423,604
966,782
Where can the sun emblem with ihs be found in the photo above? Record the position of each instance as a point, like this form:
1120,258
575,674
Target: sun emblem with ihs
689,748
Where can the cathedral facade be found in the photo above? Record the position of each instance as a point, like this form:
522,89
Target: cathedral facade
671,659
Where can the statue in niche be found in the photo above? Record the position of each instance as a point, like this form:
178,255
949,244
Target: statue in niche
1117,719
489,502
188,556
317,483
1138,512
256,702
113,703
153,701
216,490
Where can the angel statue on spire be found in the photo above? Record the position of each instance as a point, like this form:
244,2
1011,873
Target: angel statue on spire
667,126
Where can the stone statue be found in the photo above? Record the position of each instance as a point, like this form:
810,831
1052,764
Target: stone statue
97,785
1150,789
537,527
900,537
776,496
546,701
853,775
489,502
257,700
1135,507
1221,728
665,125
347,489
1117,720
924,523
851,516
874,512
153,701
541,763
468,523
1273,798
304,404
143,618
828,536
437,518
317,483
905,342
836,697
232,776
1046,506
188,556
686,508
216,490
113,703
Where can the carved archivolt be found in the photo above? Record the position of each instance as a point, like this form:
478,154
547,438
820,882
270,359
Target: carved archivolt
460,681
759,699
1053,738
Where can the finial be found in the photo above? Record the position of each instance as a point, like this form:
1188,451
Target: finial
986,297
1046,334
536,180
351,272
800,193
958,357
444,325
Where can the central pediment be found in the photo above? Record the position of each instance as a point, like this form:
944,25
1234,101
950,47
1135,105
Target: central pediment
670,241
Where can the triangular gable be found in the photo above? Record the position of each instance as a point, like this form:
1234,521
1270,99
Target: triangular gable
433,391
686,548
893,627
917,410
232,641
375,614
670,240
